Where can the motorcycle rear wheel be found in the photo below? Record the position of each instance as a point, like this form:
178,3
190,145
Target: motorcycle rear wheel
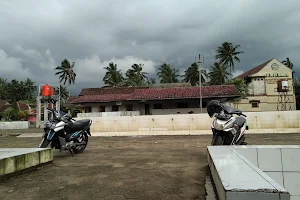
85,138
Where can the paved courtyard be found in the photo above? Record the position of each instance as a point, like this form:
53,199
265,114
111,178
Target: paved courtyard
152,167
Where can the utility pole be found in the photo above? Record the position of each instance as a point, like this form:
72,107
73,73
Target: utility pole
200,84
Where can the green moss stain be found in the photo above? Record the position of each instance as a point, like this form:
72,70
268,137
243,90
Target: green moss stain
6,166
3,166
19,162
46,156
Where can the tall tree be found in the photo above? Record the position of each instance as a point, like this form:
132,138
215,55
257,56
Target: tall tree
167,74
240,85
15,91
135,76
192,75
18,90
66,72
3,91
287,62
218,74
63,93
31,89
151,81
113,77
227,53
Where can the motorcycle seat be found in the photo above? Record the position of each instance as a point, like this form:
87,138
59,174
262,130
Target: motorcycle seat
80,124
223,117
231,110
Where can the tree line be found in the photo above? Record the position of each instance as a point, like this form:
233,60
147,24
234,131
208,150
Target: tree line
25,91
227,55
15,90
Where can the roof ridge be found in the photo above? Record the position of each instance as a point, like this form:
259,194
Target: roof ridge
163,93
253,70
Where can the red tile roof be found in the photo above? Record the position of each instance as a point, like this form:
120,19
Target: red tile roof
4,105
108,90
162,93
69,100
253,71
23,106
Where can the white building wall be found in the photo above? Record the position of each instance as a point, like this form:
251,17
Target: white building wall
259,86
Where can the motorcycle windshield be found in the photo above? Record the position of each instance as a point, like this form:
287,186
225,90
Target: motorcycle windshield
61,113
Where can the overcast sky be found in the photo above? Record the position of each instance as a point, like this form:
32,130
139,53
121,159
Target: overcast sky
35,36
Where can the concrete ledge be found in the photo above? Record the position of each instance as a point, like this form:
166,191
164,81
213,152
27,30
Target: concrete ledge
235,177
17,160
191,132
14,125
188,132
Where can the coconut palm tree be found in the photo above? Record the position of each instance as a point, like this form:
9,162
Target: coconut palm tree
66,71
218,74
287,62
151,81
227,53
113,77
135,76
167,74
192,75
63,94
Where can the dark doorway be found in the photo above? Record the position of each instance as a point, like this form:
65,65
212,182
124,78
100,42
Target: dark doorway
115,108
147,109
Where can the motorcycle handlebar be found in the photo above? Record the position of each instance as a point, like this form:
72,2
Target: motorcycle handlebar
243,115
50,109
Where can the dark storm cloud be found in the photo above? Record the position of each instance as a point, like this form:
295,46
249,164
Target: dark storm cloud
35,37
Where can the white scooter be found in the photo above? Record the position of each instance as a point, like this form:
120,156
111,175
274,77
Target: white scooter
229,125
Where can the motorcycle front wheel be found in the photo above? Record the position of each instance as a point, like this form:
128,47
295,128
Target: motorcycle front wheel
44,143
217,140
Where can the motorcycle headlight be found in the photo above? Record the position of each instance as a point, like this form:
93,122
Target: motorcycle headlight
57,115
47,125
218,126
52,126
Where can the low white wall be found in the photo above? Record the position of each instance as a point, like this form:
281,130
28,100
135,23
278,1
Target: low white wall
14,125
108,114
187,122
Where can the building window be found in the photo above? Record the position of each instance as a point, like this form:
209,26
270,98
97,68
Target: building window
129,107
102,109
157,106
88,109
182,105
254,104
115,108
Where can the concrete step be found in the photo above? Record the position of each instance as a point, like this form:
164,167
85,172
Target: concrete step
19,160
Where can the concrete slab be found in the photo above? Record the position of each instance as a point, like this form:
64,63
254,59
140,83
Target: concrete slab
235,177
34,135
18,160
